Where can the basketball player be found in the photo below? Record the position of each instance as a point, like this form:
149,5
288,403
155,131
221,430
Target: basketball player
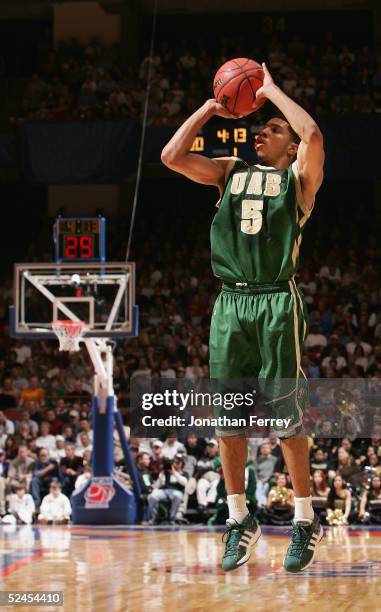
259,319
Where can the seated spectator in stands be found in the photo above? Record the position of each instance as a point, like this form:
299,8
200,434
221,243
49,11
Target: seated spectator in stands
74,418
347,468
358,358
373,463
340,498
71,467
45,470
33,425
144,474
8,394
55,423
83,444
33,410
55,390
207,474
156,461
334,355
172,445
78,393
308,286
357,341
142,372
33,392
10,447
370,503
279,509
6,425
195,446
83,478
315,340
69,434
59,451
55,507
319,460
319,491
21,507
23,435
84,427
46,439
20,383
20,468
264,469
3,480
169,487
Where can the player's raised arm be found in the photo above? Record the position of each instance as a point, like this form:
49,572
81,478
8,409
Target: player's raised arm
310,156
177,156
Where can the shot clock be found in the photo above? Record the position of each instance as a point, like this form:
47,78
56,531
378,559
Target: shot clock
80,239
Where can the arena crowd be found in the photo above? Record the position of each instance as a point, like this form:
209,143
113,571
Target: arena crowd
45,395
89,82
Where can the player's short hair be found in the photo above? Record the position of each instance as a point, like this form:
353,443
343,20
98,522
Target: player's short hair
274,112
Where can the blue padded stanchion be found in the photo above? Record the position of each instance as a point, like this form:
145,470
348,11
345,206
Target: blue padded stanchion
104,500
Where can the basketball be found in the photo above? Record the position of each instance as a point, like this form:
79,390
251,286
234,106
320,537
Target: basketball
236,83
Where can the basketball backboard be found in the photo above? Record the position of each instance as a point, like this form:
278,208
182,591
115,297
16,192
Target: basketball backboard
100,294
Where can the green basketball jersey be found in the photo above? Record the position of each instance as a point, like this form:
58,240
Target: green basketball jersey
256,232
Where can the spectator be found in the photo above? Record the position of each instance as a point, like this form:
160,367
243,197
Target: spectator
33,426
8,394
21,507
208,475
6,425
339,498
195,446
370,502
59,452
33,392
55,423
264,468
44,471
46,439
78,393
319,460
84,444
71,467
156,461
3,480
20,468
144,474
55,507
169,487
172,446
83,478
279,509
319,491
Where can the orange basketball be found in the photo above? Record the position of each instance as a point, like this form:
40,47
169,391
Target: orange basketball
236,84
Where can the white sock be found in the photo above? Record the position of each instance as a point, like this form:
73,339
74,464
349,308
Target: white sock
303,509
237,507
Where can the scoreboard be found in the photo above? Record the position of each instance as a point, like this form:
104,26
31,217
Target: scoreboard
233,138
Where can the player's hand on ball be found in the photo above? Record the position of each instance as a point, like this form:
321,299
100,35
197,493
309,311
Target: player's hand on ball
267,84
220,110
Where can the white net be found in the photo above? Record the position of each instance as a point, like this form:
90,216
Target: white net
69,334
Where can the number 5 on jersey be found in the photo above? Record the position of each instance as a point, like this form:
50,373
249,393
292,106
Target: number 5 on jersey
251,221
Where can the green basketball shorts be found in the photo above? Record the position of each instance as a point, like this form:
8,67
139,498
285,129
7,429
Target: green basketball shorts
257,332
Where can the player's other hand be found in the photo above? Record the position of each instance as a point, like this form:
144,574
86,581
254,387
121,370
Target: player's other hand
268,83
217,109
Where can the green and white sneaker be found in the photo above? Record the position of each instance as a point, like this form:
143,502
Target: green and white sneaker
239,539
301,551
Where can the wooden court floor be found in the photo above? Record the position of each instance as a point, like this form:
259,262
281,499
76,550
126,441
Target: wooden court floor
168,569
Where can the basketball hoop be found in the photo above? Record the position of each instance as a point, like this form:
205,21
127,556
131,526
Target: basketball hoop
69,334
